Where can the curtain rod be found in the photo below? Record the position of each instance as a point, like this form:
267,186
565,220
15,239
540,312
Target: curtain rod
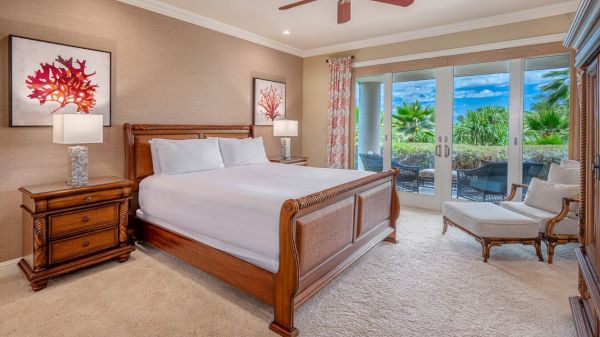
327,61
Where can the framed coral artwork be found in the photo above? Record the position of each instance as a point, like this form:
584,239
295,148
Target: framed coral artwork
49,78
269,101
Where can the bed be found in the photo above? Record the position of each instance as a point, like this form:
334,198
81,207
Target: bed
277,232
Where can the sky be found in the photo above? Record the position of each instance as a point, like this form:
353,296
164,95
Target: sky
471,92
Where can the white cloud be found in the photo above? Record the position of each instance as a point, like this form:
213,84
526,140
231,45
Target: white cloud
497,80
478,94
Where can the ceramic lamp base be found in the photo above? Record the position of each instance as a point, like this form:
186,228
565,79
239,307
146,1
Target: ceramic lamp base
77,165
286,143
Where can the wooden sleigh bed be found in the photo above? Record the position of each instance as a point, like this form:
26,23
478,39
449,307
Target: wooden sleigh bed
319,235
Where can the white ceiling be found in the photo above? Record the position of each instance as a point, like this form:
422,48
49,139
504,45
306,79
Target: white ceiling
314,29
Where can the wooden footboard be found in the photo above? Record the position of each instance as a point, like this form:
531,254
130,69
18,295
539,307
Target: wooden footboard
323,233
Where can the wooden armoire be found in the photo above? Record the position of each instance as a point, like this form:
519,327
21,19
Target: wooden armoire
584,38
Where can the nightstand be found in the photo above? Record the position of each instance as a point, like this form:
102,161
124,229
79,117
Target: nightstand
300,161
67,228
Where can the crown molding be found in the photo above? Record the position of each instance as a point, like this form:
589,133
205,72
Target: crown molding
497,20
159,7
463,50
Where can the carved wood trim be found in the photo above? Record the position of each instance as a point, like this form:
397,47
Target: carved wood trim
581,91
168,127
40,258
319,197
123,222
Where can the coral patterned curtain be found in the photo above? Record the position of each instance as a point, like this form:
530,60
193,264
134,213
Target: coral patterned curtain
338,113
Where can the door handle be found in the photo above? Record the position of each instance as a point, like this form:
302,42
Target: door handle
447,148
438,150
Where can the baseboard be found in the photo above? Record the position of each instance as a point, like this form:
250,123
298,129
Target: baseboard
9,267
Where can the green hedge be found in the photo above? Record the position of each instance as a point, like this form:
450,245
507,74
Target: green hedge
471,156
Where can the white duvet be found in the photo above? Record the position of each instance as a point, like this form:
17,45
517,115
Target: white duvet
234,209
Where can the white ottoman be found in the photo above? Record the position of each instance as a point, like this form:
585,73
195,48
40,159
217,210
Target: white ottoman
492,225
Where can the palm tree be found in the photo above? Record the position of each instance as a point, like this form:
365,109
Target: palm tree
558,89
547,126
414,121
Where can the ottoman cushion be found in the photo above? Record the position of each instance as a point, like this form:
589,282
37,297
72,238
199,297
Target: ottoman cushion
488,220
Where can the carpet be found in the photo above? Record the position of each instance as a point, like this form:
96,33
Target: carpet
426,285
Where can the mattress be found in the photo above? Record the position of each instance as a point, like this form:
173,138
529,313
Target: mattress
234,209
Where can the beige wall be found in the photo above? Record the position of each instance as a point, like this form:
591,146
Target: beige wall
163,71
315,77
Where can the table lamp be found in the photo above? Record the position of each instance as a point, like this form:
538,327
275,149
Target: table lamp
77,129
285,128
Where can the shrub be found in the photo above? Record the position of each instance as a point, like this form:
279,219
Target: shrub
471,156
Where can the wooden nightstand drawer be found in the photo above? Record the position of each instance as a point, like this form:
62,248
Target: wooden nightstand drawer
85,220
83,244
87,198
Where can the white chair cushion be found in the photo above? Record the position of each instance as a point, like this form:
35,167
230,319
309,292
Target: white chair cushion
548,196
489,220
430,173
567,226
570,163
563,175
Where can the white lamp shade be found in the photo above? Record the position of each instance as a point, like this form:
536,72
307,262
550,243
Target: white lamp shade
285,128
77,128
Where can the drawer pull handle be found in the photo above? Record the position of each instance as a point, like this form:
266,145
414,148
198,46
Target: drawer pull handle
85,219
88,199
85,243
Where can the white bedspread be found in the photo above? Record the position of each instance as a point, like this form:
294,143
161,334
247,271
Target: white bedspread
234,209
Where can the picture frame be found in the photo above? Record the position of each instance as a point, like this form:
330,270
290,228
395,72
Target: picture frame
47,78
269,101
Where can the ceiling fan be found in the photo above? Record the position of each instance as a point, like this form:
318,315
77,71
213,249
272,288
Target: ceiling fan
343,14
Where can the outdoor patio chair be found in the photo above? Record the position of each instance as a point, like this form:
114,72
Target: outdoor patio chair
485,183
408,175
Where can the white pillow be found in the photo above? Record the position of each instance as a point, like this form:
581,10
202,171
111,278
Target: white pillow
238,152
188,155
154,155
548,196
563,175
570,163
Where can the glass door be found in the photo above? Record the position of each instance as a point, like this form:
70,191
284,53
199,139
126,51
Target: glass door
464,132
545,119
413,131
480,132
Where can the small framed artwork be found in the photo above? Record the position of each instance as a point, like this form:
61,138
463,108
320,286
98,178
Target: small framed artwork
49,78
269,101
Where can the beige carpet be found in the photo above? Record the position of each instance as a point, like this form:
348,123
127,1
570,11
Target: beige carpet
427,285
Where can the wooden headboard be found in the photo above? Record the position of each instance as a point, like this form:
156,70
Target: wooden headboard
138,159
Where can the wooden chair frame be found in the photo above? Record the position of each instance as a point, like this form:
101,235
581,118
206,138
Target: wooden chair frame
343,222
549,237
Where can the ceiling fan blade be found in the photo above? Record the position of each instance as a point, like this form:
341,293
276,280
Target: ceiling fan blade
403,3
295,4
343,14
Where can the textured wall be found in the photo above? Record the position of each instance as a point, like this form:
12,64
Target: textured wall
163,71
316,78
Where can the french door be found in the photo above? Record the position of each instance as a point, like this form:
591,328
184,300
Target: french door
462,132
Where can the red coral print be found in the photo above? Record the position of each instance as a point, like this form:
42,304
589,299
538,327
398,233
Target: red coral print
269,102
64,84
